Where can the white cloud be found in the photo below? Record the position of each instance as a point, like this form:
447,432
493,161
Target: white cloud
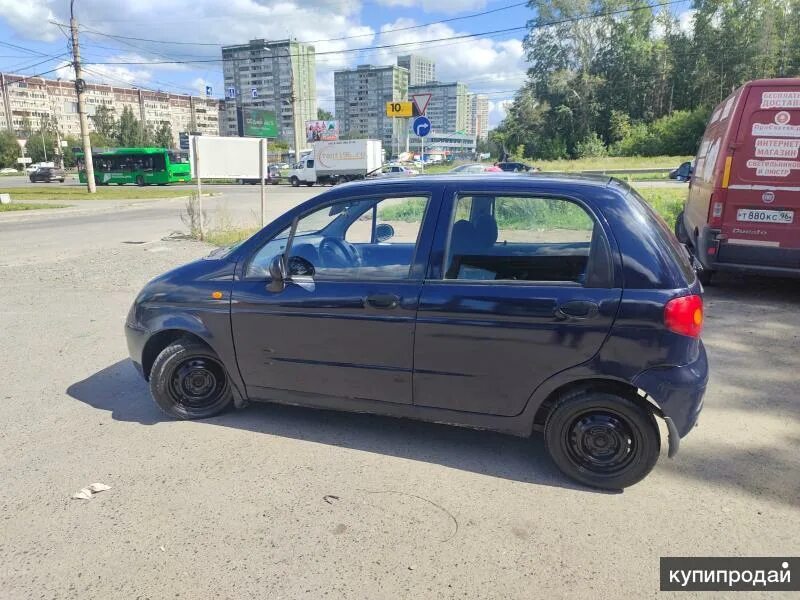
439,6
497,111
29,18
114,75
686,20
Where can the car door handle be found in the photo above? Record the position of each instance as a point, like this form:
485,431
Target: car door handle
383,300
577,309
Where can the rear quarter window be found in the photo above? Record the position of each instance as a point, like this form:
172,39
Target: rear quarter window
676,250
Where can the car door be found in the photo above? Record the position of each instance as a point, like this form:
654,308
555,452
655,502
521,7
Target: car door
521,287
347,330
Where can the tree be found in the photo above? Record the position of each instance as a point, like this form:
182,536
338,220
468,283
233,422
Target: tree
105,125
324,115
131,133
9,150
162,138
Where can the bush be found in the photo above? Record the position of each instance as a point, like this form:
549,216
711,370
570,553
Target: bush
590,147
676,134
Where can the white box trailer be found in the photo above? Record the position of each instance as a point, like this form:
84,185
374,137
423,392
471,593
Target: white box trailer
336,162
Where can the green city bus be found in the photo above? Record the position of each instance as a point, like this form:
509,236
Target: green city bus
142,166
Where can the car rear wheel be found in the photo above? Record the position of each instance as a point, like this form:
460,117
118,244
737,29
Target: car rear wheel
189,381
602,440
680,230
295,182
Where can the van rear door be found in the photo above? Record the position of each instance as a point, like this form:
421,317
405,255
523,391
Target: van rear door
762,176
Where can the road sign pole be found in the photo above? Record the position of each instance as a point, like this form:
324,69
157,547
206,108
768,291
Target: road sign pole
422,154
262,153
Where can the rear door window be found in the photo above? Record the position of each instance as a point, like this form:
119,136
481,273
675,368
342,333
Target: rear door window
526,239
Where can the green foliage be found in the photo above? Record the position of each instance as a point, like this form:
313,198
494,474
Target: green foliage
163,136
105,125
636,79
130,132
9,150
41,146
324,115
590,147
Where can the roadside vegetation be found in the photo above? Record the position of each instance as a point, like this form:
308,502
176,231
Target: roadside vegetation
27,206
58,192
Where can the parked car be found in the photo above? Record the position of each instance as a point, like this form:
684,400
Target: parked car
394,171
468,168
48,175
683,172
8,171
743,210
273,177
555,304
516,167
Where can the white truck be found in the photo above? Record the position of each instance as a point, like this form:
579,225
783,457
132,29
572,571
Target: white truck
337,162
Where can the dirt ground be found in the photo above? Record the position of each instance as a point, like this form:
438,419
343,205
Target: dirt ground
281,502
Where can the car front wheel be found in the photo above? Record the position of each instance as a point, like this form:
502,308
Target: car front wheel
188,381
602,440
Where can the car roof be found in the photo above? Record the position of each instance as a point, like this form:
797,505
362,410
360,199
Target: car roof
484,179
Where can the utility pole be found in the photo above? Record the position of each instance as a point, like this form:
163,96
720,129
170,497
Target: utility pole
80,85
299,125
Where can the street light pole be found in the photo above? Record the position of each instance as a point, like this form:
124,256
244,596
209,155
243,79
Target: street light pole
80,85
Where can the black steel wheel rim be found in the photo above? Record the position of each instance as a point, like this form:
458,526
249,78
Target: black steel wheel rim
197,382
601,441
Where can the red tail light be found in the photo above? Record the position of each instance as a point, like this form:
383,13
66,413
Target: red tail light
684,315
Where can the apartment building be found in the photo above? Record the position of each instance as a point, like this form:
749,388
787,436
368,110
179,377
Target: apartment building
36,101
421,70
447,108
478,116
268,75
361,95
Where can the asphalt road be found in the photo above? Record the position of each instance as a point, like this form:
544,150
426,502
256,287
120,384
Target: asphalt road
282,502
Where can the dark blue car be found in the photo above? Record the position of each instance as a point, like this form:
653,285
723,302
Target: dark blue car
516,303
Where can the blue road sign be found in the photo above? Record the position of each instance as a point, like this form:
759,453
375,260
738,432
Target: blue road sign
421,126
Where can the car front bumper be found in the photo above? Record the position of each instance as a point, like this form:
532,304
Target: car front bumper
136,337
678,391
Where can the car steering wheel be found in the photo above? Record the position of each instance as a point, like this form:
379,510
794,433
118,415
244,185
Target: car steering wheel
338,254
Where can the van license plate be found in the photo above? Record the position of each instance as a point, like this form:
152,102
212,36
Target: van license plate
755,215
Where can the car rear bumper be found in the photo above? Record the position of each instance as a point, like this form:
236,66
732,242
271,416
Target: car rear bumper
773,261
678,390
136,337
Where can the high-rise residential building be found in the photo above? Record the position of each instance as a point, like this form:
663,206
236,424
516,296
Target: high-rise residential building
277,76
478,116
31,102
420,69
361,96
447,108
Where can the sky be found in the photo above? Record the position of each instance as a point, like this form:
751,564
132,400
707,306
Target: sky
489,63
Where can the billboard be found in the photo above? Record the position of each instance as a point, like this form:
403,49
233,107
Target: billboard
322,131
257,122
225,157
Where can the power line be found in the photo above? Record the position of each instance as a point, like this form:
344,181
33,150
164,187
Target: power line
337,39
464,37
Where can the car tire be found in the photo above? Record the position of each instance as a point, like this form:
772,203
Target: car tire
295,182
680,230
140,181
602,440
189,381
705,276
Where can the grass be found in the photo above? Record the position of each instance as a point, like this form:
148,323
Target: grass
27,206
58,192
230,236
666,202
610,163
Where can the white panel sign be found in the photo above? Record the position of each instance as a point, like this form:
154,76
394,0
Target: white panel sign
777,148
776,130
780,100
773,168
225,157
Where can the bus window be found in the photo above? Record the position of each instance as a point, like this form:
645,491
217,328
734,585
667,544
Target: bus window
159,163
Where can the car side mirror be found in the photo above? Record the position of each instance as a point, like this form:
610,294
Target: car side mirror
277,274
384,232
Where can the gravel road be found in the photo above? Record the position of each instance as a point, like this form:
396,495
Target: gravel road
282,502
